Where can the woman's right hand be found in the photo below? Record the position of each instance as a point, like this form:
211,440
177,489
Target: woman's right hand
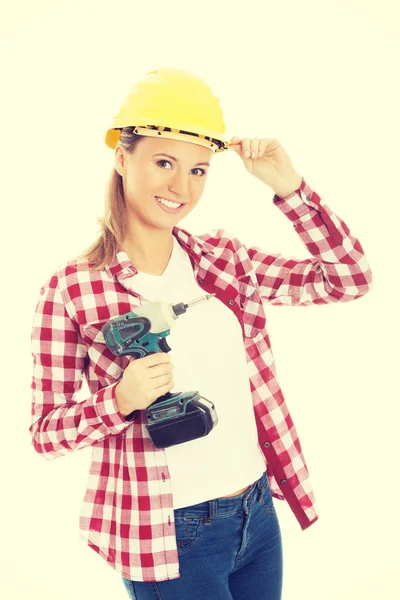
143,381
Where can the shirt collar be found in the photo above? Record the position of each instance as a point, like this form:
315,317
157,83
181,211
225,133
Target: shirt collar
192,243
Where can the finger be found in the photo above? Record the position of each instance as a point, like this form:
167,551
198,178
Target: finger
254,148
234,144
263,146
246,147
270,143
156,358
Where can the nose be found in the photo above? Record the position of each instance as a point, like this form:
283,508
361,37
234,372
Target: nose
179,185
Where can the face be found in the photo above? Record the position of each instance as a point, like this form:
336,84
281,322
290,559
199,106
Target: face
146,176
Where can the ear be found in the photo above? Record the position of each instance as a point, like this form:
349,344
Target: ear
119,161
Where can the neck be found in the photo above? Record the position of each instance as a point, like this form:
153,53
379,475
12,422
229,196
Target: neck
149,252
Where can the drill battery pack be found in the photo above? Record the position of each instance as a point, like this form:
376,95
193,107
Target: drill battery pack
181,417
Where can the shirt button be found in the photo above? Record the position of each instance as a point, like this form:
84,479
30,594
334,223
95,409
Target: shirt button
201,280
283,480
267,445
231,302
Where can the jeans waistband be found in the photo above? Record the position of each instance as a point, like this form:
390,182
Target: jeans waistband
221,506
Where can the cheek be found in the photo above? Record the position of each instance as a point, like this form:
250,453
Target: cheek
200,188
138,186
153,177
195,201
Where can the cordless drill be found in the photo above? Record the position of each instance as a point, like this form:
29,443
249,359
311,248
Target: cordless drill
172,418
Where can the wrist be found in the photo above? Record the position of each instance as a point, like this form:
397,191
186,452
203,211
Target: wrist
121,402
287,187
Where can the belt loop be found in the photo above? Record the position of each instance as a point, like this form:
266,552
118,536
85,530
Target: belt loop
212,510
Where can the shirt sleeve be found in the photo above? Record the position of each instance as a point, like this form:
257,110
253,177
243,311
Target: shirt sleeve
338,270
59,423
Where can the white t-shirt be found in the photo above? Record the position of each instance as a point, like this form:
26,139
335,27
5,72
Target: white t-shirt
208,355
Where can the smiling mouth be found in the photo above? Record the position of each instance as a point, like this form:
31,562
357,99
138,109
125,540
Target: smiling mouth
169,209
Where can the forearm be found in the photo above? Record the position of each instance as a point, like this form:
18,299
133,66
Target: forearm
288,186
72,426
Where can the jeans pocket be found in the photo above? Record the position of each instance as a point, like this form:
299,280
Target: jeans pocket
187,532
267,501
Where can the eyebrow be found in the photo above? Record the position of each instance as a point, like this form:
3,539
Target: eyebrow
173,158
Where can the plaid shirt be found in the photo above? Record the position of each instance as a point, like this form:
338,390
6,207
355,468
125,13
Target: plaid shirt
127,512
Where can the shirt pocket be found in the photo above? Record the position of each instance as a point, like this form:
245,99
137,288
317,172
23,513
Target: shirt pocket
103,362
252,310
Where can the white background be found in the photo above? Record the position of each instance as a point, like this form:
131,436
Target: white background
322,77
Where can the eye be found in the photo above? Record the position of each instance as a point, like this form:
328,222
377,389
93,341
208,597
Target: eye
196,169
163,161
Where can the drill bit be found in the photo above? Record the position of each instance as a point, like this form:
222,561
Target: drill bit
180,308
197,300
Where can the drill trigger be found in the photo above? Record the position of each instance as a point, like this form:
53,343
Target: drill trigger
163,345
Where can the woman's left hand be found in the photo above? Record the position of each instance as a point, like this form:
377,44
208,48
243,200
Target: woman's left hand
271,163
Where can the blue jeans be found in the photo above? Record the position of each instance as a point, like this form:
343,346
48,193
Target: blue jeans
228,549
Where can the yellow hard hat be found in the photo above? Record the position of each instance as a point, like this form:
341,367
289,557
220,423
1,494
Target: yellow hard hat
174,104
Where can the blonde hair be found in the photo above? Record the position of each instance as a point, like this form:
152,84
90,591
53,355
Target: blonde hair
113,223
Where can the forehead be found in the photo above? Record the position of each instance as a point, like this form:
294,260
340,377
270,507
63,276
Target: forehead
178,148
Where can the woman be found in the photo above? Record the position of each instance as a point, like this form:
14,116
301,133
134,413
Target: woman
194,520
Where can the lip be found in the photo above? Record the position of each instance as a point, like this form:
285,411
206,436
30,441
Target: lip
167,208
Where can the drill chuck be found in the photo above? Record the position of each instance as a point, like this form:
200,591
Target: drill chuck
180,308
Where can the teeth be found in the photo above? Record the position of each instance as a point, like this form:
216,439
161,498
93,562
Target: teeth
168,203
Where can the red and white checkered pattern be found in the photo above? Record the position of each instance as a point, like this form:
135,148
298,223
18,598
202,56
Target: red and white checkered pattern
127,512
